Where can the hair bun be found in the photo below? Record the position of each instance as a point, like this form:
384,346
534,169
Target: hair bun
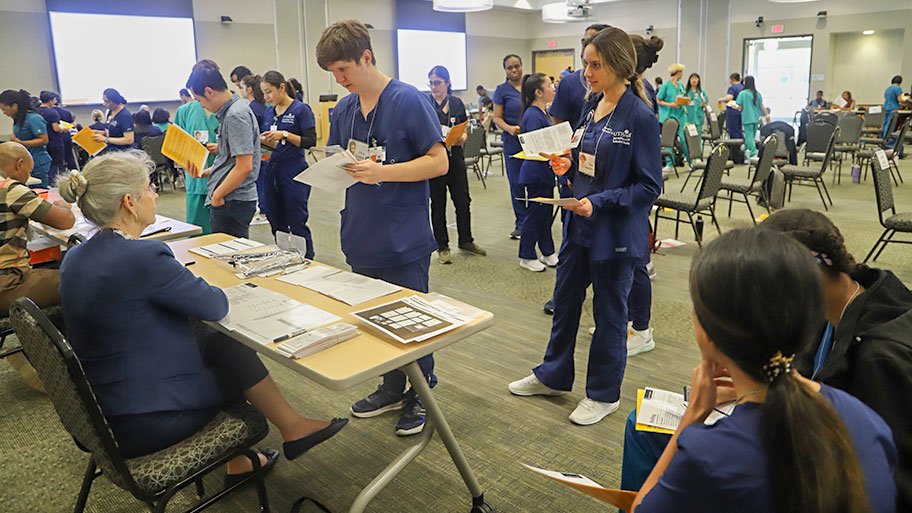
73,186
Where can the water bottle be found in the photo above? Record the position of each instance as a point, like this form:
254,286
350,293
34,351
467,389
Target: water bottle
699,227
856,173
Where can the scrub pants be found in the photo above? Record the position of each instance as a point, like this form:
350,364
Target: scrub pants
233,217
642,451
261,184
733,124
42,172
639,302
413,275
198,212
68,154
513,165
58,162
236,368
888,116
457,181
285,203
536,225
611,281
750,140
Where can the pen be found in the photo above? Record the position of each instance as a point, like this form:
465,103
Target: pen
293,334
189,263
164,229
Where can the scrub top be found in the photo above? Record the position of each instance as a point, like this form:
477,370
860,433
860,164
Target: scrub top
533,171
890,101
695,113
651,93
387,225
162,126
55,140
669,93
627,181
203,126
730,113
511,100
119,125
32,126
295,120
750,111
65,115
259,110
456,114
569,99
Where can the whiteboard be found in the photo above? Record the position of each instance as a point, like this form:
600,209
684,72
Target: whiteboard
146,58
420,50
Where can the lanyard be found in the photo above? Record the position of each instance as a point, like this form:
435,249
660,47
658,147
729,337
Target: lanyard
606,128
373,117
826,344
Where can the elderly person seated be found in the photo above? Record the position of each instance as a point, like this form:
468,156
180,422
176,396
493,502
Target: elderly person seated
17,278
133,317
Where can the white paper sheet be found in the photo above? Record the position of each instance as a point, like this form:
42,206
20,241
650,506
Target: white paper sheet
882,159
350,288
265,315
552,139
226,248
661,409
327,174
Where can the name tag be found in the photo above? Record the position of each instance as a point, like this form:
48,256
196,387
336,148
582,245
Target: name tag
359,149
273,127
587,164
379,152
577,137
444,130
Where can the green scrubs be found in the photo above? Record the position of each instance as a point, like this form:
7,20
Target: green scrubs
750,119
669,93
194,120
695,112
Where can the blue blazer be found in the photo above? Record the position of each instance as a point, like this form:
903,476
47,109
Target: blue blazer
628,179
127,306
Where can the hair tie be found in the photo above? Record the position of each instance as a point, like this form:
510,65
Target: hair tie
822,259
778,366
79,182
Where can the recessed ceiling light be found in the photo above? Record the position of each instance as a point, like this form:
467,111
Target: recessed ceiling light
868,32
463,5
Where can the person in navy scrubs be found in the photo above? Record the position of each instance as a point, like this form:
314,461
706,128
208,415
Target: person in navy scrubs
143,127
536,179
253,90
618,179
386,233
507,115
118,133
732,115
66,115
55,134
288,128
450,112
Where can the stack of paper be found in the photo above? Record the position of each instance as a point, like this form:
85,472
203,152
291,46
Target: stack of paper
552,140
225,248
266,316
317,340
350,288
329,174
411,319
660,411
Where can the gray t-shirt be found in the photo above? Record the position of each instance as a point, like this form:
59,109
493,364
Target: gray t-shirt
238,135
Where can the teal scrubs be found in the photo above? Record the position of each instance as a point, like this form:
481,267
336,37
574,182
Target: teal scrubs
32,127
162,126
669,93
890,106
750,119
695,112
194,120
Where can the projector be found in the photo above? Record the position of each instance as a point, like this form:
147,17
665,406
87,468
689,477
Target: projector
580,12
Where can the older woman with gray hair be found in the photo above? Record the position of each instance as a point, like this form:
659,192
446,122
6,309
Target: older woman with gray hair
133,316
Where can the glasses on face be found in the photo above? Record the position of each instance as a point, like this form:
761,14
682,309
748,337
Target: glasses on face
436,83
152,188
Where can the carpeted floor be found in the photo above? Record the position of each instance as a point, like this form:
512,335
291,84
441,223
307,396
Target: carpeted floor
41,469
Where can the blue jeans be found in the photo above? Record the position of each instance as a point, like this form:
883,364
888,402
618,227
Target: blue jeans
642,451
232,218
611,281
413,275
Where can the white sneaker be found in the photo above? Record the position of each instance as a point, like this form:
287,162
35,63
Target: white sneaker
589,412
640,342
550,260
530,385
592,330
532,265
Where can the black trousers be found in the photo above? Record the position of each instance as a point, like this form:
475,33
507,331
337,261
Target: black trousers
237,368
457,181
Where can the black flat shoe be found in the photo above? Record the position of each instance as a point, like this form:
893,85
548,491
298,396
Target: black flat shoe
300,446
272,456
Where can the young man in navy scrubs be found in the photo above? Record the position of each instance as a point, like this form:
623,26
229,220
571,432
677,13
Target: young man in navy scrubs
386,232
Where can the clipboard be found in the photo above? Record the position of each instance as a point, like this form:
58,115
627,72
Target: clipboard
641,392
455,134
182,147
621,499
84,139
683,100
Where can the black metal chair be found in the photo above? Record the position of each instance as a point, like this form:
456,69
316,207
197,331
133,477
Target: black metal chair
873,122
697,164
755,185
895,222
153,478
848,141
163,166
802,174
472,151
668,137
694,203
818,139
491,150
865,155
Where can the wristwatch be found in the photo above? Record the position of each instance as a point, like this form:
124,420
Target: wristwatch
284,134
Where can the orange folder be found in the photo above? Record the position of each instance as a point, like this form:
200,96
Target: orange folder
182,147
84,139
455,134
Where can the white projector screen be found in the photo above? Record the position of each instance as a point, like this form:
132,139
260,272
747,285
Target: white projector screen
147,59
421,50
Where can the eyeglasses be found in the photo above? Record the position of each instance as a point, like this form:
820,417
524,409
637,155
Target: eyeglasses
153,188
436,83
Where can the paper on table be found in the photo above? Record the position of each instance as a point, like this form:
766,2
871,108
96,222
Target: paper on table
839,101
621,499
552,139
410,319
264,315
84,139
327,174
225,248
875,109
882,159
561,202
182,148
297,321
350,288
455,133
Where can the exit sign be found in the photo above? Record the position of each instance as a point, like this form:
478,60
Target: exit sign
778,29
552,43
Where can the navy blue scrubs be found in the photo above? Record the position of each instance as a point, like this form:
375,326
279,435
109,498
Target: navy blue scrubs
284,199
507,96
604,249
733,116
259,111
386,231
119,125
55,142
68,155
568,106
537,180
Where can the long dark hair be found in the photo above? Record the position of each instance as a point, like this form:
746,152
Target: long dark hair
114,96
647,51
531,84
618,53
277,80
818,234
751,85
758,295
22,99
253,82
699,82
443,73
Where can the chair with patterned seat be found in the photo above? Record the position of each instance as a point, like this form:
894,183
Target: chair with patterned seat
694,150
873,121
694,203
668,138
803,175
848,141
865,155
153,478
895,222
754,186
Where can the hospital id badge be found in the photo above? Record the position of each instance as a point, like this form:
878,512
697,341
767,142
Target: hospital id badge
444,130
359,149
577,137
273,127
379,152
202,136
587,164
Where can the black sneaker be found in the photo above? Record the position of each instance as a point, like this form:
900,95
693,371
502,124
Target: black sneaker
549,307
381,401
411,421
516,234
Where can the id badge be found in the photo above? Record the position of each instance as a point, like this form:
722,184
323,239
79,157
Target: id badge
587,164
359,149
379,152
577,137
444,130
202,136
273,127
